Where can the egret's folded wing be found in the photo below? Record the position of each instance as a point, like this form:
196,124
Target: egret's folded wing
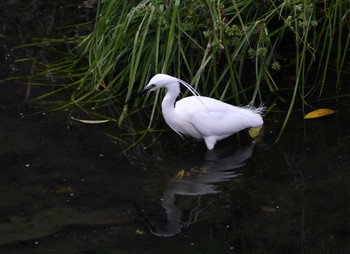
224,123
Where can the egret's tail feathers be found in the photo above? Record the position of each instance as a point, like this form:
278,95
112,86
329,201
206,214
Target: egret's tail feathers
260,110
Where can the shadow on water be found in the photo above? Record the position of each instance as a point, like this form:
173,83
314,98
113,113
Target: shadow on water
66,188
217,166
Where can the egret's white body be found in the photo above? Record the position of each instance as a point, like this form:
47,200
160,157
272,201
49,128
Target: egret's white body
202,117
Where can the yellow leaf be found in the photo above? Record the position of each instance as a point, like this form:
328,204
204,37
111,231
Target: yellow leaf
180,174
268,209
63,189
91,121
139,232
199,170
319,113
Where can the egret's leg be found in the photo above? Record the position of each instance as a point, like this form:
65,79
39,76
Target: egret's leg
210,142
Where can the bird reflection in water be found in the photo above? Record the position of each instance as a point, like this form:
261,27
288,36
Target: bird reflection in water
217,167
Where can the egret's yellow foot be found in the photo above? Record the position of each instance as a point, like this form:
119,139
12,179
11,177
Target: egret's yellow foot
255,132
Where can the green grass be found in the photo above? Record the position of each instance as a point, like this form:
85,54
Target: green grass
236,51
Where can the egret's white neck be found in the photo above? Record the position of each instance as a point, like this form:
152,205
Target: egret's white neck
172,92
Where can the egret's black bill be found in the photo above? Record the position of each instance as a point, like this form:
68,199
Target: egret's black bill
137,95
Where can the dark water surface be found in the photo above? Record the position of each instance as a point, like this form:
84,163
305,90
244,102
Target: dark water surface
67,188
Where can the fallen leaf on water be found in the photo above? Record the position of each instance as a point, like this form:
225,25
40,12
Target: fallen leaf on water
139,232
319,113
180,175
199,170
91,121
63,189
268,209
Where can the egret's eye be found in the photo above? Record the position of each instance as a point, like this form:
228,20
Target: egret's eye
152,86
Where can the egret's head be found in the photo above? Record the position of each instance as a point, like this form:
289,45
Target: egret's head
159,81
172,85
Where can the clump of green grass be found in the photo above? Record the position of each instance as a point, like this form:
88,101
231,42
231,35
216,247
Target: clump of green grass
237,51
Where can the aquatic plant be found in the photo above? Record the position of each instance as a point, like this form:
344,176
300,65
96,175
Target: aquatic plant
277,52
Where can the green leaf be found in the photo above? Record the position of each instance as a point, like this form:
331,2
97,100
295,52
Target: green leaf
91,121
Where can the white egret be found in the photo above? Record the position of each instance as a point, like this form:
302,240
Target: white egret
201,117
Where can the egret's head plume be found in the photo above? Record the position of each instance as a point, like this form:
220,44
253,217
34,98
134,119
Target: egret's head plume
164,80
